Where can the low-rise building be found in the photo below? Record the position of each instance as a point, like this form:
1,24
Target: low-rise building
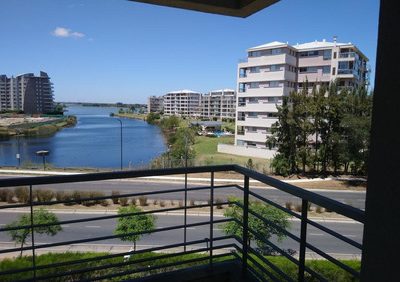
182,103
155,104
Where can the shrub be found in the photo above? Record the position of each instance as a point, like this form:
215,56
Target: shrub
44,195
297,207
180,204
143,201
92,202
319,209
191,202
232,199
22,193
155,202
77,196
288,205
218,203
6,195
115,200
124,201
162,203
172,202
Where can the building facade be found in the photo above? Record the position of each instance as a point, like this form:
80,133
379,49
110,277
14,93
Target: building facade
182,103
271,71
219,104
27,92
155,104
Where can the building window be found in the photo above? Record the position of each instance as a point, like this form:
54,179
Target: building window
334,55
326,69
309,54
276,51
252,114
327,54
242,72
333,71
242,87
308,70
255,69
254,84
274,84
275,68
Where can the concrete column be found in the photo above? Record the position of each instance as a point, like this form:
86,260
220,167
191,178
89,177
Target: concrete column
381,251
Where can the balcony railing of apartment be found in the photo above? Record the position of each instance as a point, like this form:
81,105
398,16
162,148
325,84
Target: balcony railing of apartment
347,55
232,249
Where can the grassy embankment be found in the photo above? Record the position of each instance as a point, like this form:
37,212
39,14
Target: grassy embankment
131,115
103,267
39,128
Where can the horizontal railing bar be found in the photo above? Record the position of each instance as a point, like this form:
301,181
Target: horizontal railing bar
104,217
57,179
304,194
333,260
270,264
2,207
49,203
156,267
335,234
80,261
276,248
112,236
130,262
273,204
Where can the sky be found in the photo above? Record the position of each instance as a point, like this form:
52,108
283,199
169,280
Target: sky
121,51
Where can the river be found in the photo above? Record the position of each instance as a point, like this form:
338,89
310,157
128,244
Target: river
94,142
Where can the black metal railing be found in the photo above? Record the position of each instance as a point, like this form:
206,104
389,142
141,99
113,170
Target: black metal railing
229,247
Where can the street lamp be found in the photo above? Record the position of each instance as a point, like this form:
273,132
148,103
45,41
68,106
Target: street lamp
120,121
43,153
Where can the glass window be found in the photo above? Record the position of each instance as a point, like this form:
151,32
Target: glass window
327,54
326,69
254,69
275,68
254,84
274,84
276,51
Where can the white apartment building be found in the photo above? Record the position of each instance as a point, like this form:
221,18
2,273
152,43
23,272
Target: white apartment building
182,103
272,71
219,104
27,92
155,104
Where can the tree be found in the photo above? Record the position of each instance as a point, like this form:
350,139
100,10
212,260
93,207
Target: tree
40,216
268,212
182,148
133,224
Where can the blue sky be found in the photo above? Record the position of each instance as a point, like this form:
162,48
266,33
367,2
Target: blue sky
121,51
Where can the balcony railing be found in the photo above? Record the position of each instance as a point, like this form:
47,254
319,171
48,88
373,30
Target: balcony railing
231,248
347,55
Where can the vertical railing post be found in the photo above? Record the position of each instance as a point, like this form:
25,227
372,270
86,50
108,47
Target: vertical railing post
32,233
185,214
211,217
245,224
303,239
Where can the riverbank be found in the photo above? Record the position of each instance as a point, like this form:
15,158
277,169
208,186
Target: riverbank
31,126
131,115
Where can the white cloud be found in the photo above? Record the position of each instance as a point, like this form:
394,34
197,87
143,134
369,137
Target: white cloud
66,32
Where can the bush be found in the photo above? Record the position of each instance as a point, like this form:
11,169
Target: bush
318,209
162,203
143,201
231,199
44,195
191,202
6,195
77,196
281,165
92,202
288,205
218,203
172,202
115,200
22,193
155,202
124,201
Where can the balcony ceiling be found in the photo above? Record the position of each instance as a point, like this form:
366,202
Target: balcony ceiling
236,8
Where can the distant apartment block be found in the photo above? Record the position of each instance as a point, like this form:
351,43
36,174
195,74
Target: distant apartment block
155,104
271,71
182,103
27,92
219,104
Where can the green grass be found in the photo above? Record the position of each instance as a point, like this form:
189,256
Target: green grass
206,153
325,268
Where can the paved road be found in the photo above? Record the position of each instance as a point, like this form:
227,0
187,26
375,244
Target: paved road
354,198
105,227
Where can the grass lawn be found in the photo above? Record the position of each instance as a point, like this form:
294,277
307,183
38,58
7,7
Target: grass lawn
206,153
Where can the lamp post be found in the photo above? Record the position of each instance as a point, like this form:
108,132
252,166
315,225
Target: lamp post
120,121
43,153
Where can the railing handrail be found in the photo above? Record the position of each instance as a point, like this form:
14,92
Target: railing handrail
336,206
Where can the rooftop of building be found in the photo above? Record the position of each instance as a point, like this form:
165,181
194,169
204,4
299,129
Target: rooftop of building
184,91
222,90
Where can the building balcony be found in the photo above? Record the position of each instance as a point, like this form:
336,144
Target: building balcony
195,254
